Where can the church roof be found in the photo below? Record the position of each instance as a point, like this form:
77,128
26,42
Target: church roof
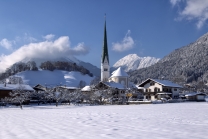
119,73
105,46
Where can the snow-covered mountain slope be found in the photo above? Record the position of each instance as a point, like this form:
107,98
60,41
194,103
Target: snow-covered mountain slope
187,64
54,78
93,69
133,61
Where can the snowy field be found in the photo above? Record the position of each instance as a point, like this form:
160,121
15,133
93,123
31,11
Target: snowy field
154,121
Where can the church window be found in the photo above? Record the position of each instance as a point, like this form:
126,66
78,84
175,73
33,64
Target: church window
105,69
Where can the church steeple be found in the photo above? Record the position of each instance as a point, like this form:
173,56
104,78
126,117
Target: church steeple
105,68
105,45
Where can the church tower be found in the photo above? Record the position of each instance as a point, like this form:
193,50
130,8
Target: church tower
105,66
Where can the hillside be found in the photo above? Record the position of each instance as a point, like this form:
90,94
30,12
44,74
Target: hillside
133,61
93,69
54,78
51,73
187,64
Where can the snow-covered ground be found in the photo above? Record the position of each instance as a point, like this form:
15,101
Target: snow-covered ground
54,78
156,121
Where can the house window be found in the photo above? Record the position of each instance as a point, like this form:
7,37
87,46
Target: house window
105,69
157,89
175,89
152,83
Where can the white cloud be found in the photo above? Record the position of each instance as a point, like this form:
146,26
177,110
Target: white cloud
49,36
126,44
174,2
28,38
46,49
193,10
6,43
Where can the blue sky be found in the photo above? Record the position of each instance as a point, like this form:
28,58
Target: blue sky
53,28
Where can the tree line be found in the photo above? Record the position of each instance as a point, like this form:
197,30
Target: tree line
60,95
48,65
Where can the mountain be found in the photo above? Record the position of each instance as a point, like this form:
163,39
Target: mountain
55,78
133,61
60,71
187,64
93,69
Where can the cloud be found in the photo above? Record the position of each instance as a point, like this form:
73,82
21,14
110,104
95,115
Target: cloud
196,10
174,2
58,48
28,38
6,44
49,37
126,44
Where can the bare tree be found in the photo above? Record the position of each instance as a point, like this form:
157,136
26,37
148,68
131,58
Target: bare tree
77,97
4,101
19,95
39,96
49,95
15,80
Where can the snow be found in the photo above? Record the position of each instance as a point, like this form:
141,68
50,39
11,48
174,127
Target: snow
119,73
194,94
158,121
93,69
114,85
133,62
54,78
86,88
162,82
15,86
167,83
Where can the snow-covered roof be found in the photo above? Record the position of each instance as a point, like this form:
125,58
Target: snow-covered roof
15,87
86,88
140,87
164,93
68,87
114,85
162,82
132,85
119,73
194,94
167,83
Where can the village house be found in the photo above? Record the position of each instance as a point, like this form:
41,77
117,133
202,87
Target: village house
157,89
117,87
5,89
195,96
39,88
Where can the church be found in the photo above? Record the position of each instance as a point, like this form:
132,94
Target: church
119,78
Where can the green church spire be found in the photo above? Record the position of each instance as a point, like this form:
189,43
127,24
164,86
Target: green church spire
105,45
